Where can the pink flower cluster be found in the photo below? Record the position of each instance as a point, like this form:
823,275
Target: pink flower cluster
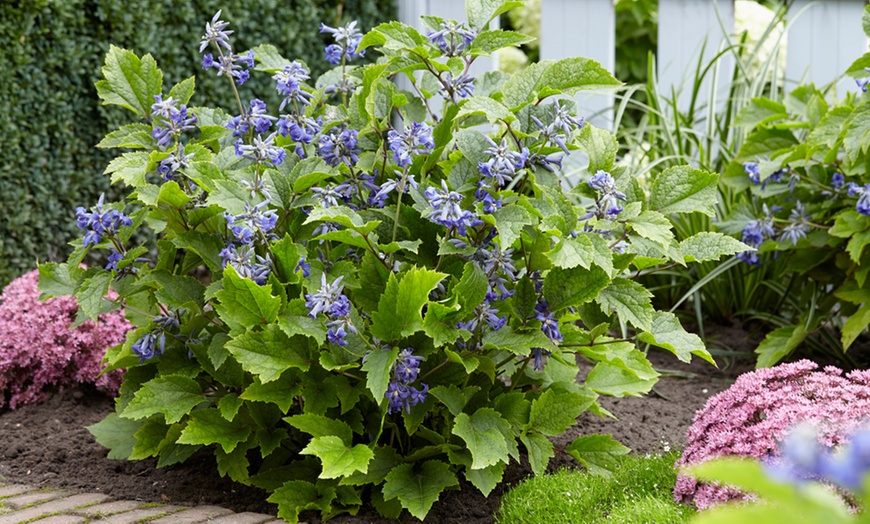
38,351
756,413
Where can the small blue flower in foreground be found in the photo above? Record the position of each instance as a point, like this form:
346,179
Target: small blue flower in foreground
215,32
414,140
863,194
99,222
400,393
289,83
347,40
549,324
459,87
170,119
503,163
607,203
245,226
453,38
447,211
246,262
334,304
149,345
262,151
336,147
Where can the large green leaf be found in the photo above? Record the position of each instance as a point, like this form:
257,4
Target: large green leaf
480,12
856,325
418,486
629,300
243,303
654,226
269,353
488,41
617,380
517,343
90,295
130,82
377,367
484,433
400,308
553,413
320,426
573,252
295,496
117,434
540,451
172,395
599,453
778,344
547,77
707,246
683,189
337,458
208,426
510,221
667,332
493,110
573,287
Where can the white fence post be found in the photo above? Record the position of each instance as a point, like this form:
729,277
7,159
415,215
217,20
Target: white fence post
582,28
686,28
824,38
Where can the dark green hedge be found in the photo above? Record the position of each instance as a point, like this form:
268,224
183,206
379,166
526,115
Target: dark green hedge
51,52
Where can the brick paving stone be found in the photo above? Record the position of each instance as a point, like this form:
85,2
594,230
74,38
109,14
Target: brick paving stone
133,517
9,490
57,505
243,518
107,508
35,497
193,515
62,519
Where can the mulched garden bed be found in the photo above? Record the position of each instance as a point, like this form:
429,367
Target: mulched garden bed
47,445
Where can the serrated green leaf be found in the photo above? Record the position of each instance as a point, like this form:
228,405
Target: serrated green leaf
599,453
486,479
573,287
707,246
130,82
384,460
269,59
176,291
129,168
778,344
654,226
517,343
344,216
183,90
417,488
229,405
320,426
760,111
117,434
856,325
667,332
148,438
682,189
55,280
510,221
856,140
488,41
553,413
484,434
568,76
295,496
293,325
268,353
617,381
600,146
493,110
208,426
480,12
629,300
244,303
377,367
540,451
573,252
134,136
337,459
400,308
90,295
440,326
279,392
172,395
393,35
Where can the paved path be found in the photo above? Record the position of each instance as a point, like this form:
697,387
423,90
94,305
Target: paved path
20,504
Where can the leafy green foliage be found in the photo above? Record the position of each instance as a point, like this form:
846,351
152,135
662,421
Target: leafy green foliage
359,330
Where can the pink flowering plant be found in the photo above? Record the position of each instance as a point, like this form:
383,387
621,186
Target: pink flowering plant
392,285
47,346
754,415
803,167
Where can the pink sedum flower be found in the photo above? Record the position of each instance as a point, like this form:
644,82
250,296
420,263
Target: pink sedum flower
757,412
38,351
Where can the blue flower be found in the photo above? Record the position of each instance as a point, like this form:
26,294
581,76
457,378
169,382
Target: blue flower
300,128
215,31
539,354
150,345
503,163
347,40
172,120
170,166
447,211
334,54
303,266
402,397
798,227
99,222
254,219
247,263
407,366
460,87
837,180
262,151
289,84
453,38
337,147
863,204
607,203
549,324
114,258
322,301
415,140
336,335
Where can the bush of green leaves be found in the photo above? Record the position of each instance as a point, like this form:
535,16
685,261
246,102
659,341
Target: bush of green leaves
804,165
391,296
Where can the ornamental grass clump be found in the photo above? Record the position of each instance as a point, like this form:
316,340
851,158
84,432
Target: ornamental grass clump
753,416
387,299
39,353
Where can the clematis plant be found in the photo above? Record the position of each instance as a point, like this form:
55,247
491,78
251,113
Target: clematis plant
359,297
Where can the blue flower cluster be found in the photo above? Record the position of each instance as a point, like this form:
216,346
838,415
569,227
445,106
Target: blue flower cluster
170,167
447,211
227,64
559,130
414,140
153,343
339,145
802,458
334,304
503,163
755,233
261,150
170,119
256,223
246,262
289,84
347,39
863,194
253,223
753,171
452,39
399,392
99,222
607,203
458,87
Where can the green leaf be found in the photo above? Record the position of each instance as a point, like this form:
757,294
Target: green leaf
129,168
666,332
488,41
707,246
229,405
682,189
778,344
117,434
573,287
244,303
856,325
654,226
90,295
172,395
629,300
393,35
439,324
510,221
517,343
760,111
384,460
400,308
279,392
417,488
55,280
134,136
338,460
573,252
176,291
599,453
486,479
472,287
617,381
303,325
377,367
480,12
320,426
493,110
269,59
540,451
484,433
296,496
856,245
472,143
600,146
567,76
553,413
208,426
344,216
856,140
130,82
148,438
827,132
269,353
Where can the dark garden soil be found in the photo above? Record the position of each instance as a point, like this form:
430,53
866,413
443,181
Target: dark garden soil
47,445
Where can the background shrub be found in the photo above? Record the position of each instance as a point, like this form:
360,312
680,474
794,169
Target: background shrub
50,118
39,351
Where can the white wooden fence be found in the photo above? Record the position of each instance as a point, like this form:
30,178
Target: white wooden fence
824,37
